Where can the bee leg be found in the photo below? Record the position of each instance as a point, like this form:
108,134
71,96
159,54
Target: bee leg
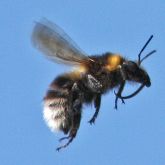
73,131
65,145
76,104
76,98
118,94
93,84
64,138
97,103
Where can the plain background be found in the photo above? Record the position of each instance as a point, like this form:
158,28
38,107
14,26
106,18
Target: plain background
133,135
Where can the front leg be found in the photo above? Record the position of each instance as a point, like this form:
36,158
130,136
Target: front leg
122,84
97,103
118,94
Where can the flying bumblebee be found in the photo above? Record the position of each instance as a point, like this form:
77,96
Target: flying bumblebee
94,76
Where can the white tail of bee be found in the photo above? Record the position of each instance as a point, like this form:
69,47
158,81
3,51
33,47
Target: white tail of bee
56,115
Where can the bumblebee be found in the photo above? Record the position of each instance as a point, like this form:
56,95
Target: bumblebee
92,77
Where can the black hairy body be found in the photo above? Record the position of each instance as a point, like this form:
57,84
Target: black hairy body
93,77
76,89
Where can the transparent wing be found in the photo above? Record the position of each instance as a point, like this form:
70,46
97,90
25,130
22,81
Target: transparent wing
56,44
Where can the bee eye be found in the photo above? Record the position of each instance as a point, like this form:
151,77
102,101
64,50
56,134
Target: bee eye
130,65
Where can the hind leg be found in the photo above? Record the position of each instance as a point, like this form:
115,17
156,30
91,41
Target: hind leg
76,105
73,131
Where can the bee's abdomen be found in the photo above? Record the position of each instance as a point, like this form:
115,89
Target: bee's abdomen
56,110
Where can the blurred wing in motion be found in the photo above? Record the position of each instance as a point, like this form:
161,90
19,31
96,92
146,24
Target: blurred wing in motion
56,44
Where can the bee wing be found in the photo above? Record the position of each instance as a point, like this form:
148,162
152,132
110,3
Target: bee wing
56,44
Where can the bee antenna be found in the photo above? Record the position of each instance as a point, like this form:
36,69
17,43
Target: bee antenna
149,54
139,55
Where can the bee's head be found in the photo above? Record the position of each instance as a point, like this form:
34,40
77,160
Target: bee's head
132,71
136,73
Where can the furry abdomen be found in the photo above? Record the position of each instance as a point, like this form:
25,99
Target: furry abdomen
57,113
